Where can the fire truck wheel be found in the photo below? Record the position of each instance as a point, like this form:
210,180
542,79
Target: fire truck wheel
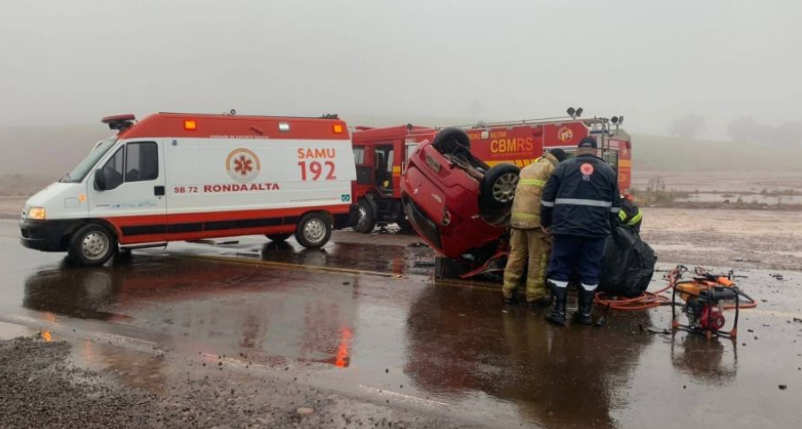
497,188
279,237
314,230
449,139
366,220
92,245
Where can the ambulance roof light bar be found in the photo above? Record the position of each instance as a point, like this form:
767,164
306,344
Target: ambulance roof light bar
119,122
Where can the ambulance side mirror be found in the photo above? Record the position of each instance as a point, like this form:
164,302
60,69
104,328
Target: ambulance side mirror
100,180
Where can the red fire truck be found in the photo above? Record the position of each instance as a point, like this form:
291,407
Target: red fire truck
381,154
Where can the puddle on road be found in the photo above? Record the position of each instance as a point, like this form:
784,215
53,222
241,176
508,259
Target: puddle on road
9,331
454,345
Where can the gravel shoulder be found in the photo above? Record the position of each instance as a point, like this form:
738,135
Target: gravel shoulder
42,387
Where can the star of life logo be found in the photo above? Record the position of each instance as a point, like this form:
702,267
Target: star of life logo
587,171
243,165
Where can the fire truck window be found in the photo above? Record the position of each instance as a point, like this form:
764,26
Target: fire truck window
359,155
142,162
113,170
410,150
388,158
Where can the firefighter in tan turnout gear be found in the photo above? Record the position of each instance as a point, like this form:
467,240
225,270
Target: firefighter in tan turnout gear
528,241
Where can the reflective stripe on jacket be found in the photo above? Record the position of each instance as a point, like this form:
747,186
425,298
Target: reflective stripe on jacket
526,204
581,198
630,214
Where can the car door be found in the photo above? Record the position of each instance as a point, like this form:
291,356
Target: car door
131,192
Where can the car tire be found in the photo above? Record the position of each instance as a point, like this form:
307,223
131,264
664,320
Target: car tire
497,188
448,140
92,245
314,230
366,216
279,238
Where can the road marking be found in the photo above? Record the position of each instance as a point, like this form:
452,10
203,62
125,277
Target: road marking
287,265
406,398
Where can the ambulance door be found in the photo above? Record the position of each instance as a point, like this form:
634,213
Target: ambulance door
128,190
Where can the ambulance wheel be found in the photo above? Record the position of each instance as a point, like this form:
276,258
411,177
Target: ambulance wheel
366,219
448,140
92,245
314,230
497,188
280,238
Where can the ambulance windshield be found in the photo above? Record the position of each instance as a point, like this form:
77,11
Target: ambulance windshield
83,168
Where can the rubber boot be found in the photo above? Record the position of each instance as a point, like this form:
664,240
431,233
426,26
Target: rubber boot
583,314
557,313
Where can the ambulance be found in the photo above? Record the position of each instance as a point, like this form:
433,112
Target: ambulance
177,176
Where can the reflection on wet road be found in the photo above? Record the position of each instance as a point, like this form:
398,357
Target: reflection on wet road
454,348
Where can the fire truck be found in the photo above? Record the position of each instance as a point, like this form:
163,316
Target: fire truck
381,155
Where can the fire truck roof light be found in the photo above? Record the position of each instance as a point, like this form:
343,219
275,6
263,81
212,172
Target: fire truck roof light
190,125
337,128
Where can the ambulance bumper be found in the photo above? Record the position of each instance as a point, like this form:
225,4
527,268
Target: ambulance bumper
46,236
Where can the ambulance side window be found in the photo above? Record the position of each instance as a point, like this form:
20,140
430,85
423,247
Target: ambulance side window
113,170
142,162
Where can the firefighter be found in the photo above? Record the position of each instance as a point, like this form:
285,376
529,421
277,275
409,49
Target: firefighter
530,244
630,214
579,206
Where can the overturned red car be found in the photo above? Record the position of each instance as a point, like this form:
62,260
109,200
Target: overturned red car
460,205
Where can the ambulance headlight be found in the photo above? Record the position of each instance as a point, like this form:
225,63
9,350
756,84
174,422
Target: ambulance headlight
37,213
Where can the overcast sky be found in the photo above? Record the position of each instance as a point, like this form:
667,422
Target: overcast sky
65,62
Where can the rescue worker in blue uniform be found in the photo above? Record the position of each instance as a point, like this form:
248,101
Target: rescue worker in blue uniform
580,204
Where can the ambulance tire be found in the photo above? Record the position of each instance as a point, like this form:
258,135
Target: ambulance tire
366,219
448,140
279,238
497,188
92,245
314,230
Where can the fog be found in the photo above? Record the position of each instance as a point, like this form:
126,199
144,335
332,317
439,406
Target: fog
73,62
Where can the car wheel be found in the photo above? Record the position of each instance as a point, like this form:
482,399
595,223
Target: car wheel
314,230
448,140
279,237
497,188
366,217
92,245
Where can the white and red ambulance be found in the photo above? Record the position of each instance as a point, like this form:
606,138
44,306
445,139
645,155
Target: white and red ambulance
177,176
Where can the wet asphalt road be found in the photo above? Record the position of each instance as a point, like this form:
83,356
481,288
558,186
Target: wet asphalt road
367,321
